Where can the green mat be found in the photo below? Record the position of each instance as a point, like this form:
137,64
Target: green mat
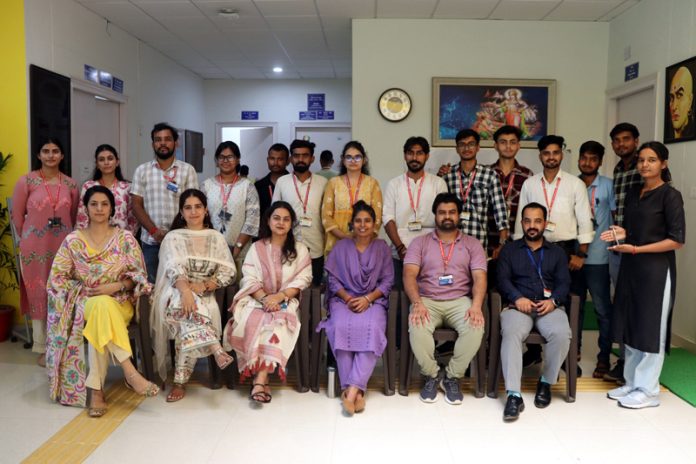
679,374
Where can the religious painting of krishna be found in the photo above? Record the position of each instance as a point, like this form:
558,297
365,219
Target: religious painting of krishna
487,104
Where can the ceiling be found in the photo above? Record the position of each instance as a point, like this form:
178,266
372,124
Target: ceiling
307,38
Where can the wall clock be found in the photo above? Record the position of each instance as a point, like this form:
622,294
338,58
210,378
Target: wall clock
394,105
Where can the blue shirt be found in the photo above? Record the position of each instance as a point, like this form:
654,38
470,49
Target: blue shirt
518,276
602,206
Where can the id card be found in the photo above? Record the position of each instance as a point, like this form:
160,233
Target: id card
465,216
306,221
446,279
224,215
550,226
547,293
172,187
415,226
55,222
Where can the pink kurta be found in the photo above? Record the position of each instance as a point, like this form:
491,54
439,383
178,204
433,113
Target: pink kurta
31,209
123,213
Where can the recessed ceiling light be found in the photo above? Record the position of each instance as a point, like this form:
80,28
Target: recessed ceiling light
228,13
277,69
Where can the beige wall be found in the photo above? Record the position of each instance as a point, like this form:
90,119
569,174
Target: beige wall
660,33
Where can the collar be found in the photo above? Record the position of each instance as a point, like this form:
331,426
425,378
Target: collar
302,182
459,166
434,236
632,165
520,243
156,165
517,168
559,175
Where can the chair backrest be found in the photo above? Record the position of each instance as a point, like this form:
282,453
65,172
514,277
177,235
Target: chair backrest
15,240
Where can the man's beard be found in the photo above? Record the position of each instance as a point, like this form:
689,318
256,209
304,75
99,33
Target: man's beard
411,167
593,173
164,155
447,226
536,238
300,168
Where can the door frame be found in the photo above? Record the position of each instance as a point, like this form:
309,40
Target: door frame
319,125
220,125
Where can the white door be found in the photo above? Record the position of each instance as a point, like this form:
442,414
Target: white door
95,120
254,143
325,138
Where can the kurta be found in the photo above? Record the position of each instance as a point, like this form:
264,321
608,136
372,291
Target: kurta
337,209
640,289
77,267
265,340
123,213
32,207
358,274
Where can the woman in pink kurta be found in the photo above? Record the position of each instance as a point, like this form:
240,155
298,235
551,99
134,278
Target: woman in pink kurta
44,204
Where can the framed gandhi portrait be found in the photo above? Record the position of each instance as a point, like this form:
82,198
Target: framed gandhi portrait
679,102
487,104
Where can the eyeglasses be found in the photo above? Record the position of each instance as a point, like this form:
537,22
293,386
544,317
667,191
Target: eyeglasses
353,159
226,159
467,146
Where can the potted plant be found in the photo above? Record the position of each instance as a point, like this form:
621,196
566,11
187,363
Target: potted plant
8,274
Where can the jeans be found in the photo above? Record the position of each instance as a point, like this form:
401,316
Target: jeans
595,278
151,256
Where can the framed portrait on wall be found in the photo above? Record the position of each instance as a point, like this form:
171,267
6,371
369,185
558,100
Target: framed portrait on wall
487,104
679,102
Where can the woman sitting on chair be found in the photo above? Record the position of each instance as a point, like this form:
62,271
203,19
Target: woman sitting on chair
360,277
96,278
194,261
265,325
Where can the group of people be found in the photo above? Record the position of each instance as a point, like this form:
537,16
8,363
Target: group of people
451,241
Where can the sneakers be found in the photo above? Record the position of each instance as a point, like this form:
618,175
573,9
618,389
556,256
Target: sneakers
638,399
453,395
616,374
620,392
428,393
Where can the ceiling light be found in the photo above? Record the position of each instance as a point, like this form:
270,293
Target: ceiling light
277,69
228,13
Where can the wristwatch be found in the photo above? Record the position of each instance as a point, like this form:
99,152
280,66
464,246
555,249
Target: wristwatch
555,302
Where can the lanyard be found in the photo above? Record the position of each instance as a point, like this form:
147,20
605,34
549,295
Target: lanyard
449,254
166,177
297,189
54,203
592,200
224,193
410,195
546,197
270,191
509,186
465,193
537,265
353,198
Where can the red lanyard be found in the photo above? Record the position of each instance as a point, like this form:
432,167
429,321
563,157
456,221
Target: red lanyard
553,198
592,201
224,193
270,191
410,195
166,177
449,254
353,198
465,194
54,203
306,197
509,186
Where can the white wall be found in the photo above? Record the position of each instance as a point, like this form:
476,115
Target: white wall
408,53
63,36
660,33
277,101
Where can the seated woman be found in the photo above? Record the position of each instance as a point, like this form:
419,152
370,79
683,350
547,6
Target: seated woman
96,278
265,327
194,261
360,277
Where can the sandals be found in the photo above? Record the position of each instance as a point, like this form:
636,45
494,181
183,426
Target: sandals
260,396
95,411
177,393
360,403
150,391
348,405
222,358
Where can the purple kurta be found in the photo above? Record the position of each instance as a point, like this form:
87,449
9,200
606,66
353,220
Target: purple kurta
358,274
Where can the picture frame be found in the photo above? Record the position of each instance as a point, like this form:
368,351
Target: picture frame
680,105
485,104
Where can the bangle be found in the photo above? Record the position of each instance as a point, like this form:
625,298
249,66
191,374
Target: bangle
635,250
368,299
153,230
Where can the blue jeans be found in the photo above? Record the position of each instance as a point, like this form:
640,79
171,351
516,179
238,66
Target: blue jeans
151,256
595,278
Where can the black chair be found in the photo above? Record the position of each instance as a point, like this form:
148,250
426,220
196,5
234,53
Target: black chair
139,335
571,362
443,334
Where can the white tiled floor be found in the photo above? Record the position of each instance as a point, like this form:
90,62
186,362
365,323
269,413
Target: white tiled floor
221,426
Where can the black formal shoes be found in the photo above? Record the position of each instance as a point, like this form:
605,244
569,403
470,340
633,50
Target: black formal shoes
543,394
513,407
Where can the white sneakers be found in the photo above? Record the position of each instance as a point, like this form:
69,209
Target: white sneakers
631,398
620,392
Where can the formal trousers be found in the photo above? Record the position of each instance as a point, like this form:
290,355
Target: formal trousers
355,367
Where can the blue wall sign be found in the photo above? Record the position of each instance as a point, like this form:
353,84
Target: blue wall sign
250,115
631,72
105,78
325,115
308,115
91,74
117,85
316,101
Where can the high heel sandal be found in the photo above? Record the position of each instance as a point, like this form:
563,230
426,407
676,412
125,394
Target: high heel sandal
94,411
227,358
150,391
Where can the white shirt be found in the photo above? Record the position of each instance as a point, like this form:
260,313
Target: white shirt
312,237
397,205
569,212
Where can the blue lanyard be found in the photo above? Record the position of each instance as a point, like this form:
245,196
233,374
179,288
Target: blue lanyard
537,265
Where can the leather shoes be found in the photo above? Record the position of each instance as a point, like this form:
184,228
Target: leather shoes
543,394
513,407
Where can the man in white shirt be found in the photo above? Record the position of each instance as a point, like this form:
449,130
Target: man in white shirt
305,191
569,222
408,199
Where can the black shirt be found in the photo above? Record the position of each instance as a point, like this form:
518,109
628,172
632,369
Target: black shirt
265,189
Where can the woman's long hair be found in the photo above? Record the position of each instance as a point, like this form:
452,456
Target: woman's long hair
36,162
97,173
289,250
179,222
662,154
358,146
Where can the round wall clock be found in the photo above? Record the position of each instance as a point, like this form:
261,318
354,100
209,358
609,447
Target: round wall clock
394,105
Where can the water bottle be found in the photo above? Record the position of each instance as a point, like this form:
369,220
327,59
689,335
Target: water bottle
331,387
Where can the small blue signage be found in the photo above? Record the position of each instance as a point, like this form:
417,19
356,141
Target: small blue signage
117,85
631,72
250,115
325,115
316,101
308,115
105,78
91,74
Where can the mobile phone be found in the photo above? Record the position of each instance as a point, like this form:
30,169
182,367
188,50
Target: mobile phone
613,234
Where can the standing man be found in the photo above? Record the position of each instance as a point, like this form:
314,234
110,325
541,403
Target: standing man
445,280
305,192
478,188
569,223
533,277
278,159
156,188
594,275
326,160
405,220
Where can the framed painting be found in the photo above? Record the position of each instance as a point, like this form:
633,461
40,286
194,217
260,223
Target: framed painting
487,104
679,102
